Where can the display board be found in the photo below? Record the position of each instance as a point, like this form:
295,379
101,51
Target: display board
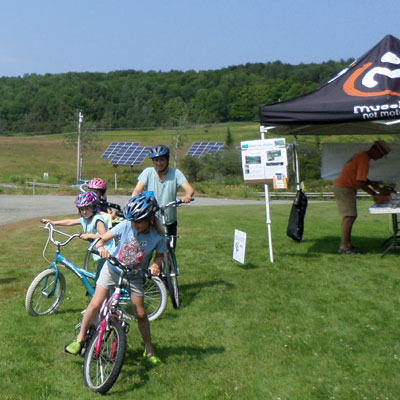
265,161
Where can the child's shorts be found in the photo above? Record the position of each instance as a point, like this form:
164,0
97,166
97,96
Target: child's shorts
109,278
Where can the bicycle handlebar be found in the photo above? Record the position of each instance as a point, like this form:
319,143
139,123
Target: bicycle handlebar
51,230
117,207
174,203
112,260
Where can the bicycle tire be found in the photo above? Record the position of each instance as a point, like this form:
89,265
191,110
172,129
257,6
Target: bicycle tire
37,301
155,300
171,274
100,373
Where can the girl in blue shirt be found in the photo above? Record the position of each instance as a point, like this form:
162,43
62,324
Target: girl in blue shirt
91,221
138,240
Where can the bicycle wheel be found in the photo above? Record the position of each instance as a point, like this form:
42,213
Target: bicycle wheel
155,299
171,273
101,371
38,300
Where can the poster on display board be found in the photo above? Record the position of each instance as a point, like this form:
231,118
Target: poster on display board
265,161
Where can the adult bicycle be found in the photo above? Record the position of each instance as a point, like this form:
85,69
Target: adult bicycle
47,289
170,270
104,347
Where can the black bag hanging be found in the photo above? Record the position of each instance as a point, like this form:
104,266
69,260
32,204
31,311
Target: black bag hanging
295,227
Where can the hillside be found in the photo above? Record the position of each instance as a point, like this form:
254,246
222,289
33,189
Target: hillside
134,99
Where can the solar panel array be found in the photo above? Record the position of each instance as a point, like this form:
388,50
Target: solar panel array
126,153
198,149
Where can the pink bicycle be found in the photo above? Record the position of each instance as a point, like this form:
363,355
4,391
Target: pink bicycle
105,344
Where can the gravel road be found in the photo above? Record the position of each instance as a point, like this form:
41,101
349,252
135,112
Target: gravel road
15,208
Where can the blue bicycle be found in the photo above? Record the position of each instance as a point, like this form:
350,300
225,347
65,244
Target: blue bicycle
47,290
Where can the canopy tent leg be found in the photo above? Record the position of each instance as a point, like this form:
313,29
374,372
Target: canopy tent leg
268,221
296,164
267,210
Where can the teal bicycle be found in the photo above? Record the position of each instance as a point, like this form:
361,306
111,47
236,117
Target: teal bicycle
47,289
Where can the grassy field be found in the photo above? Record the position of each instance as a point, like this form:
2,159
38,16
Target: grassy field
27,158
312,325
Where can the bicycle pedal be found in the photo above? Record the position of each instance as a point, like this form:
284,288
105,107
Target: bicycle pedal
126,327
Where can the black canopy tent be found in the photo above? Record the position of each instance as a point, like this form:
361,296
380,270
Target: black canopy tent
362,99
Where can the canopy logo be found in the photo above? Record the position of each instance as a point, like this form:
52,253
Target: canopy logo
368,77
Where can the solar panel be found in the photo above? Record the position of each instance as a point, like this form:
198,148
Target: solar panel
198,149
118,148
126,153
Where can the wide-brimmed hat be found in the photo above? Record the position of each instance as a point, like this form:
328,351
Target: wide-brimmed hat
382,146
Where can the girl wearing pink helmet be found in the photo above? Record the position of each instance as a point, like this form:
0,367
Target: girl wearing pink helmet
99,186
91,221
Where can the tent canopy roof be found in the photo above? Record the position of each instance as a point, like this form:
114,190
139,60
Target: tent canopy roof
362,99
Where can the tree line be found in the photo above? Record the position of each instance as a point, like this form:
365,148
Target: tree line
135,99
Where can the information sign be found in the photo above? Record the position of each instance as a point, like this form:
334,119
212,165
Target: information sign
265,161
239,246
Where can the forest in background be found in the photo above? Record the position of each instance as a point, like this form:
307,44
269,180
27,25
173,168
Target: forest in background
132,99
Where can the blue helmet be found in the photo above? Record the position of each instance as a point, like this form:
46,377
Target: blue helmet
143,205
159,151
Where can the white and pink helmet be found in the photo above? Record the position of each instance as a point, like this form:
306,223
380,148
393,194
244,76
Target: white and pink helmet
97,183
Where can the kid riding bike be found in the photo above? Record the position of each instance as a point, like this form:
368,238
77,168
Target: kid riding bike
48,288
104,346
138,239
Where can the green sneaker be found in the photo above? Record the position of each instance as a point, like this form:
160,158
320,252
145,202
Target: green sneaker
154,360
73,348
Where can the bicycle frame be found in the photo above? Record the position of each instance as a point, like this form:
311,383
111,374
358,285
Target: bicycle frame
170,271
169,239
83,274
110,308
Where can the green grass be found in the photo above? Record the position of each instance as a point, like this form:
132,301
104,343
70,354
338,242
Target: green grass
27,158
312,325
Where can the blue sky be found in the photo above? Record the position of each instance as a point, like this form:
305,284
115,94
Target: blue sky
56,36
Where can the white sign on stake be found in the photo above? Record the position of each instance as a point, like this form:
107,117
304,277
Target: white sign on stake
239,246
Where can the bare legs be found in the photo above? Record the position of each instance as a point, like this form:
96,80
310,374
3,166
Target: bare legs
139,310
91,312
347,226
143,323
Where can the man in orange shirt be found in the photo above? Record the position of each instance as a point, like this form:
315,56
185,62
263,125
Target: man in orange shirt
354,176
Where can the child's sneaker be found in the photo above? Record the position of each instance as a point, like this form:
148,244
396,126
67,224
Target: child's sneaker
154,360
74,348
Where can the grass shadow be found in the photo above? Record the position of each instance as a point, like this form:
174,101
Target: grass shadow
134,363
330,244
6,280
248,266
189,291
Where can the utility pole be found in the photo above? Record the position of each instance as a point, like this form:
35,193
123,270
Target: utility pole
79,158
